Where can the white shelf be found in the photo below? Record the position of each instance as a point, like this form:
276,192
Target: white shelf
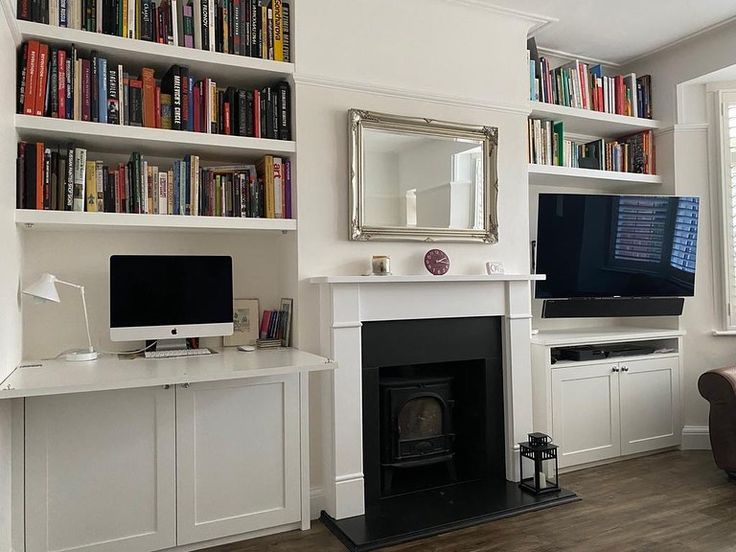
56,377
582,336
609,360
225,69
71,220
552,175
426,278
591,123
101,137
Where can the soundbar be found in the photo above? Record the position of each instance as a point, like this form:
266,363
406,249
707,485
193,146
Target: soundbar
612,307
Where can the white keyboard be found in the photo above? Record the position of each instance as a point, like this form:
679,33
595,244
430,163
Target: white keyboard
177,353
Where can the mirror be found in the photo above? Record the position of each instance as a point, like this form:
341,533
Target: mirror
420,179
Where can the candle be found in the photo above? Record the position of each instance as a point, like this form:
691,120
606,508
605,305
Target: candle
542,480
381,265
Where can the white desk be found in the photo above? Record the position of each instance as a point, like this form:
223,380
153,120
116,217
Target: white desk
55,377
223,437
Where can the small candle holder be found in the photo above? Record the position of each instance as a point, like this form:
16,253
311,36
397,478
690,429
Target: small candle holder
381,265
541,451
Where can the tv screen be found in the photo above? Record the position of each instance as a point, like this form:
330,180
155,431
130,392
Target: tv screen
616,246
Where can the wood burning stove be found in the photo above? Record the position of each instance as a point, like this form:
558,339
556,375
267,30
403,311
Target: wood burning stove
416,424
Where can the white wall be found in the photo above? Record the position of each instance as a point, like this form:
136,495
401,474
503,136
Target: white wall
10,330
688,156
422,58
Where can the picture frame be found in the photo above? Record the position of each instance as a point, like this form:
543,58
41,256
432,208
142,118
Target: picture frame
287,310
246,323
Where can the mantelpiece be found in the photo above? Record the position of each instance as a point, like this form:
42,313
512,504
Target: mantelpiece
349,301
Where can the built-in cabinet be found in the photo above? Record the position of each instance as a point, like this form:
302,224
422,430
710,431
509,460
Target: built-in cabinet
219,454
237,460
607,408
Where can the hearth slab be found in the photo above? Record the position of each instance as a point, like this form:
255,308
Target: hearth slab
427,513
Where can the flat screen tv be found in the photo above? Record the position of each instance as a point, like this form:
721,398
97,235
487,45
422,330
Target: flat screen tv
593,246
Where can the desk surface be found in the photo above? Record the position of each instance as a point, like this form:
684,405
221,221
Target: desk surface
55,377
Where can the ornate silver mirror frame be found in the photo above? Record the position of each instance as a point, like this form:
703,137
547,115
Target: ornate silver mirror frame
360,120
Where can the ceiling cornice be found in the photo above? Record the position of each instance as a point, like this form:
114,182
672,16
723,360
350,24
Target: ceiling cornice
536,21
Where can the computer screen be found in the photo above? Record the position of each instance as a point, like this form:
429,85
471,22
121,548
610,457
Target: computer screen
170,296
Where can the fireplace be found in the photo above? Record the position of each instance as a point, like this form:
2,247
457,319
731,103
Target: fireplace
416,425
432,405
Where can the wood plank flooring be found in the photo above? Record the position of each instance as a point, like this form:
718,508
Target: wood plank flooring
674,501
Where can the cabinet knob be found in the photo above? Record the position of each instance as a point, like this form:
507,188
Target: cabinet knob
624,368
185,385
167,386
614,369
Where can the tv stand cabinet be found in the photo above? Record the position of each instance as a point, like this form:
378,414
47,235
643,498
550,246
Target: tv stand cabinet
603,409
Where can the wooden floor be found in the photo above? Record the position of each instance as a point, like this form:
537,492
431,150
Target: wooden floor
675,501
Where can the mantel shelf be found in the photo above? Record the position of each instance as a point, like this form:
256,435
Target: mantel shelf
225,69
553,175
101,138
426,278
73,220
588,122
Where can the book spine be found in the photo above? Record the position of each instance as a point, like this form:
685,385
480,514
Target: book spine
278,35
278,189
54,83
39,102
69,180
113,100
80,165
102,95
22,76
99,185
86,90
286,31
287,190
149,97
90,177
47,179
94,88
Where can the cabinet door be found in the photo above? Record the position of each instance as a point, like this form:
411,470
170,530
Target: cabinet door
585,413
238,459
649,404
100,471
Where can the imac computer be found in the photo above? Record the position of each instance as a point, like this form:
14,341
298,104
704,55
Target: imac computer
170,297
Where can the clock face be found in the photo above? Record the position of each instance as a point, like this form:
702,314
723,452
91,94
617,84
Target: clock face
437,262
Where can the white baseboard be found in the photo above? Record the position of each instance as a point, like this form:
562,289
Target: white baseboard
316,501
695,438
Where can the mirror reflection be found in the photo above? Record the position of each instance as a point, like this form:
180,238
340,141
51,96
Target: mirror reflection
416,180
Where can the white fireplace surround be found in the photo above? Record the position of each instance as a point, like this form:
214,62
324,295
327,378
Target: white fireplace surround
348,301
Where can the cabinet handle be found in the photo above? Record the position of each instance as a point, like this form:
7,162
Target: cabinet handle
185,385
624,369
614,369
167,386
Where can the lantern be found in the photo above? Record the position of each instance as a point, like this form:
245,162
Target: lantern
540,450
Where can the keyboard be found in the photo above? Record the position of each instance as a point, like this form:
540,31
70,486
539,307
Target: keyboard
177,353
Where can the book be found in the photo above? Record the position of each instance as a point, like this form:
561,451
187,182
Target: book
80,165
90,180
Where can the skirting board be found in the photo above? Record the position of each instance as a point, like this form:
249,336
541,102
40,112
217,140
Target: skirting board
316,502
695,438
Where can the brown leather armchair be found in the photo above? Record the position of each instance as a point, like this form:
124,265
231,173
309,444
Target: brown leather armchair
718,387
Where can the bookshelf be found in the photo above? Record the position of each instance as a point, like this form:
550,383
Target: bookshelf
104,137
553,175
30,219
592,123
218,66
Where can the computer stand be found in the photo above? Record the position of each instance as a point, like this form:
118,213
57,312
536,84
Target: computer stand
178,344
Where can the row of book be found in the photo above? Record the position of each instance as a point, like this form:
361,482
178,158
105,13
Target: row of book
275,329
548,145
578,84
67,179
61,83
256,28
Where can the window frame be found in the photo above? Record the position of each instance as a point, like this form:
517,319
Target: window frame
726,218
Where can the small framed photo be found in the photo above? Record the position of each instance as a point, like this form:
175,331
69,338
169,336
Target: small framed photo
246,320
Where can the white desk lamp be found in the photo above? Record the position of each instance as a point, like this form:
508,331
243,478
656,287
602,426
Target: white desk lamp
45,290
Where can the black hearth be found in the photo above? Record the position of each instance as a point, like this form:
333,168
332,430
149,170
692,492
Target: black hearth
433,432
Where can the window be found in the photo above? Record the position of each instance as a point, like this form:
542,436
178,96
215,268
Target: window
728,202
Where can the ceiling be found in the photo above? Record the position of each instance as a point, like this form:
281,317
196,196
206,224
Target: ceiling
622,30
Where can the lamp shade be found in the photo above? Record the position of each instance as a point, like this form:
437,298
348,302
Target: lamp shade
44,289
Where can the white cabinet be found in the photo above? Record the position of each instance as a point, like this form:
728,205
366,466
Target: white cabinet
585,413
649,390
100,471
238,461
602,410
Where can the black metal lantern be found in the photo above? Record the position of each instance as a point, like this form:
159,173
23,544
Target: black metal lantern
540,450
